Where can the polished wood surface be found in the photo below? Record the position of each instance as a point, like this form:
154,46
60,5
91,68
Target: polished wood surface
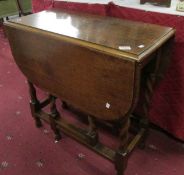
103,31
96,64
87,79
57,55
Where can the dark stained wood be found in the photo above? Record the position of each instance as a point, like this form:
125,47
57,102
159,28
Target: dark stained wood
83,81
34,104
166,3
92,131
96,64
103,31
54,115
102,78
121,157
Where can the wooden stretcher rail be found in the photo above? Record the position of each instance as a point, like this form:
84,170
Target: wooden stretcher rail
97,64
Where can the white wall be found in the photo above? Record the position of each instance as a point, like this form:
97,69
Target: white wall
136,4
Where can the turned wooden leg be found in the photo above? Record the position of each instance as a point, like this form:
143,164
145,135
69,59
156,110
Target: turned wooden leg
121,162
34,104
150,82
64,105
54,115
121,157
92,131
144,122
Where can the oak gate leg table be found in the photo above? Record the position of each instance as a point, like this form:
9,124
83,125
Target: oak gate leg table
97,64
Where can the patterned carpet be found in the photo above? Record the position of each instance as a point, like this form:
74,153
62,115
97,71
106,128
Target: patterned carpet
24,149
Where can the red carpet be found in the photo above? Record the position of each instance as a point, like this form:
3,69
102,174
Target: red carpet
24,149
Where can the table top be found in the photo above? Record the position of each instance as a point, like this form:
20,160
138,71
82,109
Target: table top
74,56
120,35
